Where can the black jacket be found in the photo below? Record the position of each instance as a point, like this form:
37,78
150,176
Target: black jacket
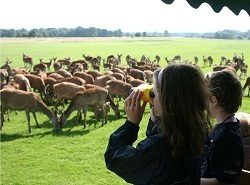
226,157
151,161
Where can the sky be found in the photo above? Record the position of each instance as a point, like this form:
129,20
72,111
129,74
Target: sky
127,15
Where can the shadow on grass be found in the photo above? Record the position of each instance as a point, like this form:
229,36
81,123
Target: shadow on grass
69,130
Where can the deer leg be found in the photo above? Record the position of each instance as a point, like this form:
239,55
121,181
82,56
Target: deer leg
85,109
78,116
3,110
113,106
106,110
103,113
96,112
28,119
8,112
34,114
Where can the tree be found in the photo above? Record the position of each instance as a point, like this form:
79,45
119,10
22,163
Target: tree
127,35
12,33
144,34
137,34
32,33
117,33
166,33
92,32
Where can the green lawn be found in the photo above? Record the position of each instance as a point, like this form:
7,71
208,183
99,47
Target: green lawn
75,155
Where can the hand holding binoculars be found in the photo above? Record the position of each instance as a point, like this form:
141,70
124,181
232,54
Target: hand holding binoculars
147,92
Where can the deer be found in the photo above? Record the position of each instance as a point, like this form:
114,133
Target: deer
247,84
223,60
56,76
210,60
157,59
143,58
204,60
87,77
106,65
4,76
243,72
101,80
83,62
177,57
87,58
169,62
119,88
5,71
29,102
196,59
57,65
41,66
37,83
23,82
81,101
95,63
27,60
63,91
48,64
244,123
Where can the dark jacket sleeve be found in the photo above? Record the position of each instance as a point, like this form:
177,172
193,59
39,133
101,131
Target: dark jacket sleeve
132,164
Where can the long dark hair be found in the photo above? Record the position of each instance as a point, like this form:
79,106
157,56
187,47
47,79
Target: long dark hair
185,112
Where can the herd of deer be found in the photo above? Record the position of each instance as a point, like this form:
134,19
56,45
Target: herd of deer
82,83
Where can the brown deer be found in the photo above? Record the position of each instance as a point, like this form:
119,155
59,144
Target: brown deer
27,101
177,57
157,59
87,58
196,59
5,72
204,60
247,84
210,60
63,91
81,101
41,66
65,62
49,63
27,60
223,60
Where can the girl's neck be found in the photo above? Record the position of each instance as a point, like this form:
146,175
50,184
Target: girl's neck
223,118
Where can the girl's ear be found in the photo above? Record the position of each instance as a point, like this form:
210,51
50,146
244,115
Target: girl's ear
214,101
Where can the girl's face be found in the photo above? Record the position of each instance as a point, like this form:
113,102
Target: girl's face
212,106
156,102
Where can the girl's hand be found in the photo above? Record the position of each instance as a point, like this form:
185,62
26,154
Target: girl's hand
133,107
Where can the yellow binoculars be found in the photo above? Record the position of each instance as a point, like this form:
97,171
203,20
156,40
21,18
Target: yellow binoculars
147,92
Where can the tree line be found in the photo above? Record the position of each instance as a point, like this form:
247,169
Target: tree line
61,32
97,32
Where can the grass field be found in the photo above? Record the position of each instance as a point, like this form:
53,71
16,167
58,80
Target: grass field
75,155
